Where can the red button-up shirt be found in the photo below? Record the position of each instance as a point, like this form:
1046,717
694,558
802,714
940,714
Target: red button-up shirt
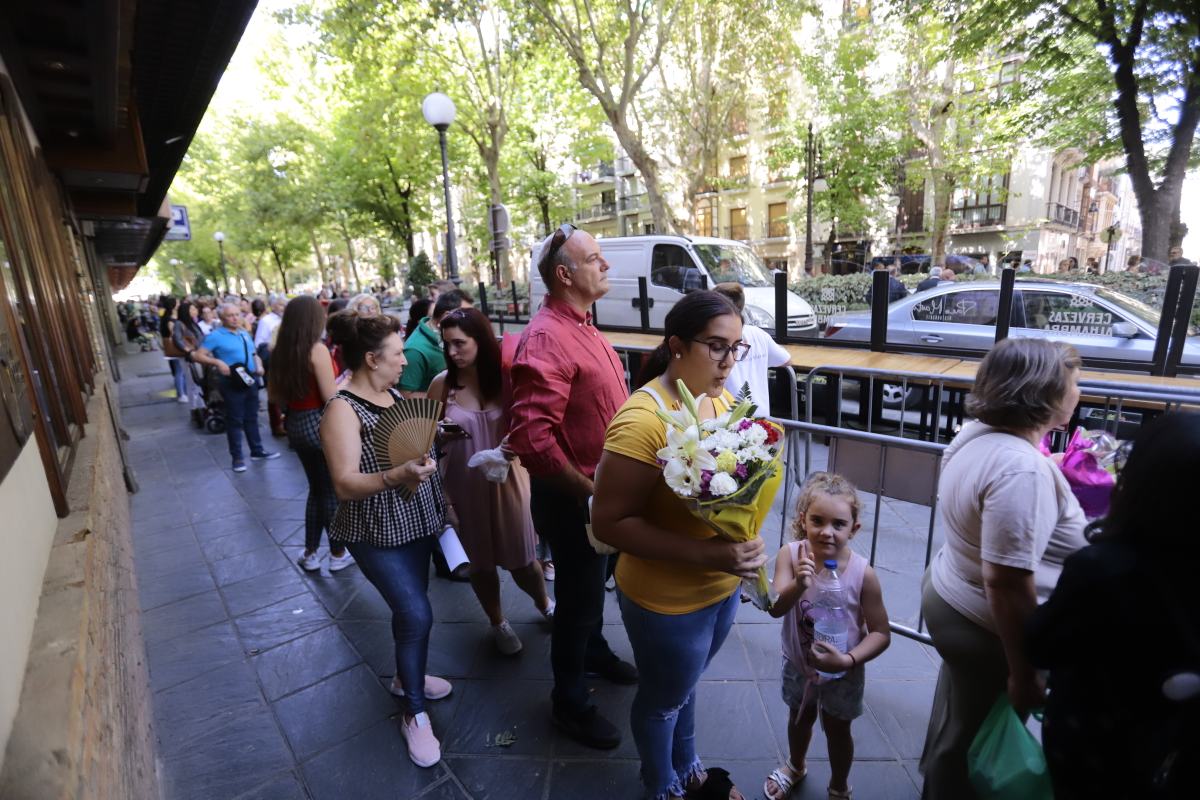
568,384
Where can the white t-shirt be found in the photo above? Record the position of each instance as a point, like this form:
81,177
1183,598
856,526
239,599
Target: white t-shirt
266,327
764,354
1004,502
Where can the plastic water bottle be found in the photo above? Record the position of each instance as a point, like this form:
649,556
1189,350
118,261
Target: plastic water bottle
831,619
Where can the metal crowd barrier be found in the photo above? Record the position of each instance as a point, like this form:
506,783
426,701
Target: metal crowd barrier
1108,405
885,466
906,468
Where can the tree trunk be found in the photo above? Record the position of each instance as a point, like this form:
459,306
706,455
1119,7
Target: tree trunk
279,265
943,191
316,246
258,270
350,255
503,274
543,202
406,220
664,220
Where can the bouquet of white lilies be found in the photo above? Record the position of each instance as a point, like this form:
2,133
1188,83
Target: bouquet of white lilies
727,471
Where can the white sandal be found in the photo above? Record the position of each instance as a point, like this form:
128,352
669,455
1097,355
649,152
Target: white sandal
786,784
840,794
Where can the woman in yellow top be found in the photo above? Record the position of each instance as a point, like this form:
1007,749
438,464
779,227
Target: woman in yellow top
678,583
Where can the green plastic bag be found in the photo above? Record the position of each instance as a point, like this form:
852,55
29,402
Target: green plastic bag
1005,761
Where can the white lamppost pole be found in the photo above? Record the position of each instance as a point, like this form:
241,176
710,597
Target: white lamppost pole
439,112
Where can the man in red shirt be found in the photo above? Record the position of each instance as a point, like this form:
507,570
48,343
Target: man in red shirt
568,384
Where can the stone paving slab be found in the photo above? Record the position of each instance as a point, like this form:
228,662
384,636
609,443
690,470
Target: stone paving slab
269,682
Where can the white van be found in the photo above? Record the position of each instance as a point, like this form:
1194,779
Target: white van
673,265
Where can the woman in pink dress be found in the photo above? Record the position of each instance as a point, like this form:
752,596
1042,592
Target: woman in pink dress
493,518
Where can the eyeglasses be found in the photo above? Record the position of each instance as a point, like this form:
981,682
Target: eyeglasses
557,240
719,352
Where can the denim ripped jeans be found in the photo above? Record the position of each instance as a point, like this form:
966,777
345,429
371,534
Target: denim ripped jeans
672,651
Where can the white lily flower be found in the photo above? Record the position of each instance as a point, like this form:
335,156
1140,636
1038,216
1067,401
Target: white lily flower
684,481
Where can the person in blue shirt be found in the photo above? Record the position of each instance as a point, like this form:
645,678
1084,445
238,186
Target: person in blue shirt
230,350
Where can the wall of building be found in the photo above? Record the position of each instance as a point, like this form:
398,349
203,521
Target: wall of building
26,536
83,726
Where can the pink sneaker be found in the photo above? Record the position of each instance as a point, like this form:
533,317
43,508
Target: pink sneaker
423,747
435,688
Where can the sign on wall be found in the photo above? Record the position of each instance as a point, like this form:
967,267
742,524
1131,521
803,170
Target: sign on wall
180,229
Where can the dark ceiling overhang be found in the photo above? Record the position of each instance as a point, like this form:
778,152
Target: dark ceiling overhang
115,90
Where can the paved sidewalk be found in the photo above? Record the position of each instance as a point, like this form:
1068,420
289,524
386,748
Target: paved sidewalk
269,682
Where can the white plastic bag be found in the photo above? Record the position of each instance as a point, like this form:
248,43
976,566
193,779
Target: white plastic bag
493,463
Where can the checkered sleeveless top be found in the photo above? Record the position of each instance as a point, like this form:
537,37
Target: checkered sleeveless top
386,519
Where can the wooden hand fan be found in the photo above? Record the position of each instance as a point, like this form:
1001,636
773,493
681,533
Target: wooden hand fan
405,432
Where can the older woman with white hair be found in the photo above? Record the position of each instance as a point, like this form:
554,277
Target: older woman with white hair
365,304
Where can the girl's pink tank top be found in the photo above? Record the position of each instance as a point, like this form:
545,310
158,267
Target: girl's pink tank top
798,622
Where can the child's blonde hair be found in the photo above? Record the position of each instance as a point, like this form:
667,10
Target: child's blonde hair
829,483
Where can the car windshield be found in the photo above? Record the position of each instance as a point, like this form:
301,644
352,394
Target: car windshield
728,263
1146,313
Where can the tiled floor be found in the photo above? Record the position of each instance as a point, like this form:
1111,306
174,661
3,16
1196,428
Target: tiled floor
269,682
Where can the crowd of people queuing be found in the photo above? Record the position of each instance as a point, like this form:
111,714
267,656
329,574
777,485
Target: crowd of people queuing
1025,593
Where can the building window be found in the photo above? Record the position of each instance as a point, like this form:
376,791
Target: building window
777,166
982,205
777,107
777,220
739,167
705,221
737,120
738,229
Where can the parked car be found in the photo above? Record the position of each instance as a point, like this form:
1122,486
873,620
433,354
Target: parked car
1099,322
674,265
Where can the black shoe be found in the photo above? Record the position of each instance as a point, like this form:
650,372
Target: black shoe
461,573
614,670
588,728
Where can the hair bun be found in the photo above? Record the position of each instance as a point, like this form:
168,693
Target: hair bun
343,327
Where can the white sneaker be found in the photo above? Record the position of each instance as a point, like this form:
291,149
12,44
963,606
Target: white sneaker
423,747
548,570
311,562
183,398
548,614
507,641
337,563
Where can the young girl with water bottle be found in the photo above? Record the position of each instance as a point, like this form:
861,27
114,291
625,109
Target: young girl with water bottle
834,622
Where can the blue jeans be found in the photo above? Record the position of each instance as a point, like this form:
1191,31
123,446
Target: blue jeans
178,367
671,651
401,575
241,415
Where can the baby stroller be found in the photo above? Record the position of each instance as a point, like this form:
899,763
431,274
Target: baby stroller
212,417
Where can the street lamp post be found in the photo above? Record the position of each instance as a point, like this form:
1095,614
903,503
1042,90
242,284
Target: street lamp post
439,111
220,237
811,183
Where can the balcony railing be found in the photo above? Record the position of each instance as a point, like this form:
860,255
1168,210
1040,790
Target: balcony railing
977,216
600,172
1063,215
776,229
598,211
624,166
740,233
634,202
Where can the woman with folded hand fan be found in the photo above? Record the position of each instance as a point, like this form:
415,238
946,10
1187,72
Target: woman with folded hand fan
391,506
678,579
494,521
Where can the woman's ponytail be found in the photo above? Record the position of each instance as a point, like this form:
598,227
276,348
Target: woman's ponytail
654,364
